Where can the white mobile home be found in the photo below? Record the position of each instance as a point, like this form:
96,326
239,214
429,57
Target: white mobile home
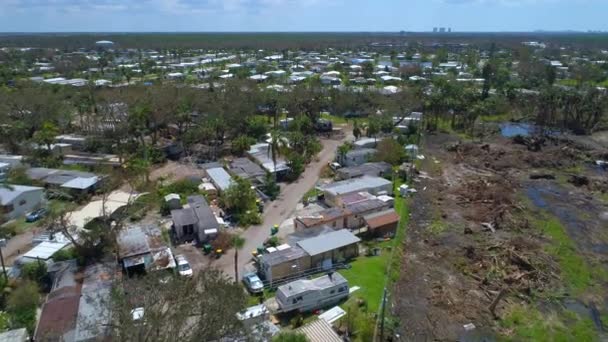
17,200
307,295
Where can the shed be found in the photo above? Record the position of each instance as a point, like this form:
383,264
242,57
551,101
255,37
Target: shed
330,248
173,201
383,223
283,263
319,331
143,249
219,177
43,251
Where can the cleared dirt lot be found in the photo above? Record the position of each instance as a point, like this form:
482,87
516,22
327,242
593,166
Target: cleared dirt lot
486,242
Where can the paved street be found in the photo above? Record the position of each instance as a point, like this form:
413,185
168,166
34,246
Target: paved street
279,210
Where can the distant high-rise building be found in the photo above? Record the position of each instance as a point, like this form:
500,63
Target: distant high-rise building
435,30
442,30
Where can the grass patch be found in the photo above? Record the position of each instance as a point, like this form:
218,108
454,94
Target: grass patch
333,118
523,323
576,274
495,118
314,192
437,226
370,273
603,196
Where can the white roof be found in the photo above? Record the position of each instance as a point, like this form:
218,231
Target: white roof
252,312
283,247
81,183
390,78
258,77
45,250
171,197
332,314
10,192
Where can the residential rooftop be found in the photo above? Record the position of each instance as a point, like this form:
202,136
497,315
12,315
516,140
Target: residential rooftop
327,242
305,285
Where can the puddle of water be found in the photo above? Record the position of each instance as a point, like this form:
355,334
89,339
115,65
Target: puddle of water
477,335
511,129
584,311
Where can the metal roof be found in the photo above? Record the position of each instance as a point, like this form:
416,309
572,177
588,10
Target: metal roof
219,177
304,285
16,335
355,185
94,311
81,183
206,218
381,219
319,331
327,242
323,217
372,169
283,255
366,205
45,250
360,152
10,192
245,168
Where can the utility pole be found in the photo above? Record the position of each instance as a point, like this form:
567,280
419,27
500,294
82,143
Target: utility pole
3,244
382,315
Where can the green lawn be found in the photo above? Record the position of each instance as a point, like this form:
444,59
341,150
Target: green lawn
370,272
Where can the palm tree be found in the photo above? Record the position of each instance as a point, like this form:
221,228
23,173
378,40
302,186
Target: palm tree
276,147
238,242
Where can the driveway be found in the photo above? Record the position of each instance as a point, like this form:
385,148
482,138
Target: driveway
278,211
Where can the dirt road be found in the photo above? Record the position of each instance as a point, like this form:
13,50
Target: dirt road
278,210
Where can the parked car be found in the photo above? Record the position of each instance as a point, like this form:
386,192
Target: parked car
183,266
334,166
35,215
253,283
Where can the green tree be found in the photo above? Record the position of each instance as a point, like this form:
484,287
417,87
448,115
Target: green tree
22,305
276,148
256,127
271,188
373,128
296,163
241,144
240,200
356,130
390,151
46,135
35,271
343,150
290,336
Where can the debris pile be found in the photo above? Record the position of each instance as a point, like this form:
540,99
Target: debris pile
488,201
515,266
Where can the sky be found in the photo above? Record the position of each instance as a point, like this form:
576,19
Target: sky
300,15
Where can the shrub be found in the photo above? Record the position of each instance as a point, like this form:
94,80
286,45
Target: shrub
34,271
22,305
65,254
